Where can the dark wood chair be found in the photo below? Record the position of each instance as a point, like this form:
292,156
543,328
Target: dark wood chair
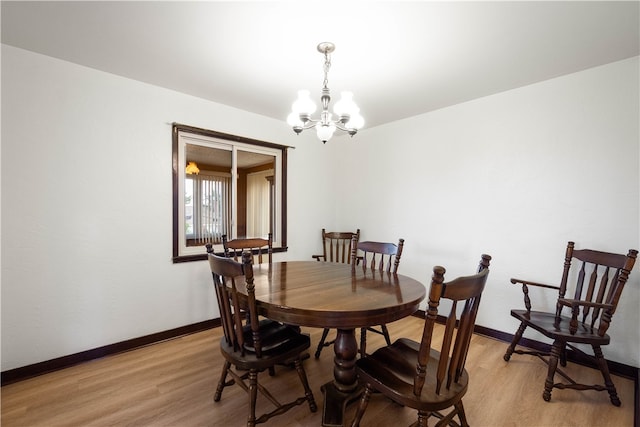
417,376
590,303
248,346
336,247
257,246
384,257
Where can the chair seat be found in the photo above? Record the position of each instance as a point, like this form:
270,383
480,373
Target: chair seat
545,324
272,334
280,344
393,369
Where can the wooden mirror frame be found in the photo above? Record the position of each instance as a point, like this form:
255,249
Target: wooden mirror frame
177,197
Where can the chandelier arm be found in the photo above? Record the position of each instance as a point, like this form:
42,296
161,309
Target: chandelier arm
310,123
343,128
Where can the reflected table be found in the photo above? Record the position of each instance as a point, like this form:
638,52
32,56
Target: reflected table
332,295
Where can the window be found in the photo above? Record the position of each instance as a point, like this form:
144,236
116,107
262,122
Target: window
225,184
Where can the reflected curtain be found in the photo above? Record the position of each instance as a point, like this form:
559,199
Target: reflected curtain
258,204
211,208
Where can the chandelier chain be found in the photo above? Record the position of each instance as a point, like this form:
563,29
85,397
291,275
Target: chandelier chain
327,65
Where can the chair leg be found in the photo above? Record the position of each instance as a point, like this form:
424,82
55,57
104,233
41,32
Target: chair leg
515,341
556,352
325,332
422,419
602,364
463,417
363,342
563,355
385,332
253,397
223,379
305,384
362,406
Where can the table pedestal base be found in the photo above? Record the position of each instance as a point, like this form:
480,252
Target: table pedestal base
335,404
344,388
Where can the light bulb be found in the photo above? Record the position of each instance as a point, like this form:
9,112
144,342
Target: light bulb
325,132
356,121
304,104
345,106
293,119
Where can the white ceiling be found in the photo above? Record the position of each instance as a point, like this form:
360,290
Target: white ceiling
399,58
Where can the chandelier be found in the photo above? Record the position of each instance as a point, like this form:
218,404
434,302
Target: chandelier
348,114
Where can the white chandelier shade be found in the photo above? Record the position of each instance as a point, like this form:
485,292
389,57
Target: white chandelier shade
347,112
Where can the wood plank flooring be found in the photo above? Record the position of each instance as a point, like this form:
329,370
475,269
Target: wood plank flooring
172,384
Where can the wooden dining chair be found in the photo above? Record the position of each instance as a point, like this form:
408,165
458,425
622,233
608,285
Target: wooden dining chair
381,256
417,376
247,346
232,249
257,246
336,247
590,303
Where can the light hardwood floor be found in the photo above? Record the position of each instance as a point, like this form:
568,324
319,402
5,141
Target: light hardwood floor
172,384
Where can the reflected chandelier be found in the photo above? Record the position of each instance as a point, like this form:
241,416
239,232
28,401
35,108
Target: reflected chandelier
192,169
349,118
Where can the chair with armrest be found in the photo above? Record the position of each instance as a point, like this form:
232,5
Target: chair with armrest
248,346
417,376
589,304
336,247
384,257
257,246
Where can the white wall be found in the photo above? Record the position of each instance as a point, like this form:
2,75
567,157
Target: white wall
86,196
86,207
515,175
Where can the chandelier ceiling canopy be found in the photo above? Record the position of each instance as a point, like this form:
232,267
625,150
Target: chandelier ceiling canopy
348,114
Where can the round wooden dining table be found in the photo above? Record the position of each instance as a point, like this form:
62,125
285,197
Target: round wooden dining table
333,295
